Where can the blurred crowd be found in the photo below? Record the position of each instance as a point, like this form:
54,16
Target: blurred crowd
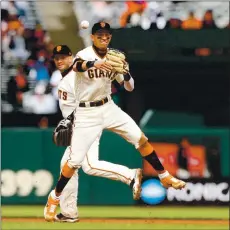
157,15
27,49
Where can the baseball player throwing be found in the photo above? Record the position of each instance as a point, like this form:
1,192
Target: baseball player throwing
96,111
91,165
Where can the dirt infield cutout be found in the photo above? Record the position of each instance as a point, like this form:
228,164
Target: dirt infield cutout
129,220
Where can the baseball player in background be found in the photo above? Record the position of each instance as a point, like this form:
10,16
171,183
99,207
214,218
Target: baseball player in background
97,111
91,165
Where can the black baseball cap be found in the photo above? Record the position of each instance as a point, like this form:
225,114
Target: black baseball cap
101,26
62,49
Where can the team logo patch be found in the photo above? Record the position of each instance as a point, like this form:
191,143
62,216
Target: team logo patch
59,48
102,24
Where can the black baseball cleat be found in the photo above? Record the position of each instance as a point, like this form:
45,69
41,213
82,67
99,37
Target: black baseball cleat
61,218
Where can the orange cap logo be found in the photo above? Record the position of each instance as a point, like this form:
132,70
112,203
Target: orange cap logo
102,24
59,48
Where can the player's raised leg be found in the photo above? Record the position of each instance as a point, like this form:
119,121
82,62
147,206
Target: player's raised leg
125,126
95,167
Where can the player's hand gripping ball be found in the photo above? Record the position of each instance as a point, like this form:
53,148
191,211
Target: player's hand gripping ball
84,24
116,59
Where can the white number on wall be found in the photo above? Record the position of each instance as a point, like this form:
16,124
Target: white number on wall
8,183
43,181
23,182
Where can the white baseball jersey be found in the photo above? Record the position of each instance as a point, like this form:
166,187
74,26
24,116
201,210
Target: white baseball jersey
67,93
94,84
76,86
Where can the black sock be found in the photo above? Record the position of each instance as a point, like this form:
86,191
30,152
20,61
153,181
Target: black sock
61,183
153,159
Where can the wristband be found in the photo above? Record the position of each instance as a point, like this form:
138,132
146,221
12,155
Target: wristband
79,66
127,77
90,64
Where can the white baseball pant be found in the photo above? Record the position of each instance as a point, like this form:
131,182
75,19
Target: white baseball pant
92,166
89,122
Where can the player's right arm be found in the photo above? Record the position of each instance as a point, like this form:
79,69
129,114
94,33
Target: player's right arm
81,65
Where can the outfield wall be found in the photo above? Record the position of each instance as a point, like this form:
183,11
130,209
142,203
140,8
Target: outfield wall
30,164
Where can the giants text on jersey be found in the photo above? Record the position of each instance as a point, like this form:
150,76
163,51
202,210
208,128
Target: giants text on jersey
67,94
94,84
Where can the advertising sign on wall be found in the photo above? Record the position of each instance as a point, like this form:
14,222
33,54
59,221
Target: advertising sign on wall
195,192
188,157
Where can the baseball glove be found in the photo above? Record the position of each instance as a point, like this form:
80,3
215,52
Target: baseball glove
63,133
116,59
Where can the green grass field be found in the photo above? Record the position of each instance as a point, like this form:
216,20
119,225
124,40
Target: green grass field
119,217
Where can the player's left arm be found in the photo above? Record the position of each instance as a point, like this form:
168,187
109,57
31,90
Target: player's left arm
125,80
128,82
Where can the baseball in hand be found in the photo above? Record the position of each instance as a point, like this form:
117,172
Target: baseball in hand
84,24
